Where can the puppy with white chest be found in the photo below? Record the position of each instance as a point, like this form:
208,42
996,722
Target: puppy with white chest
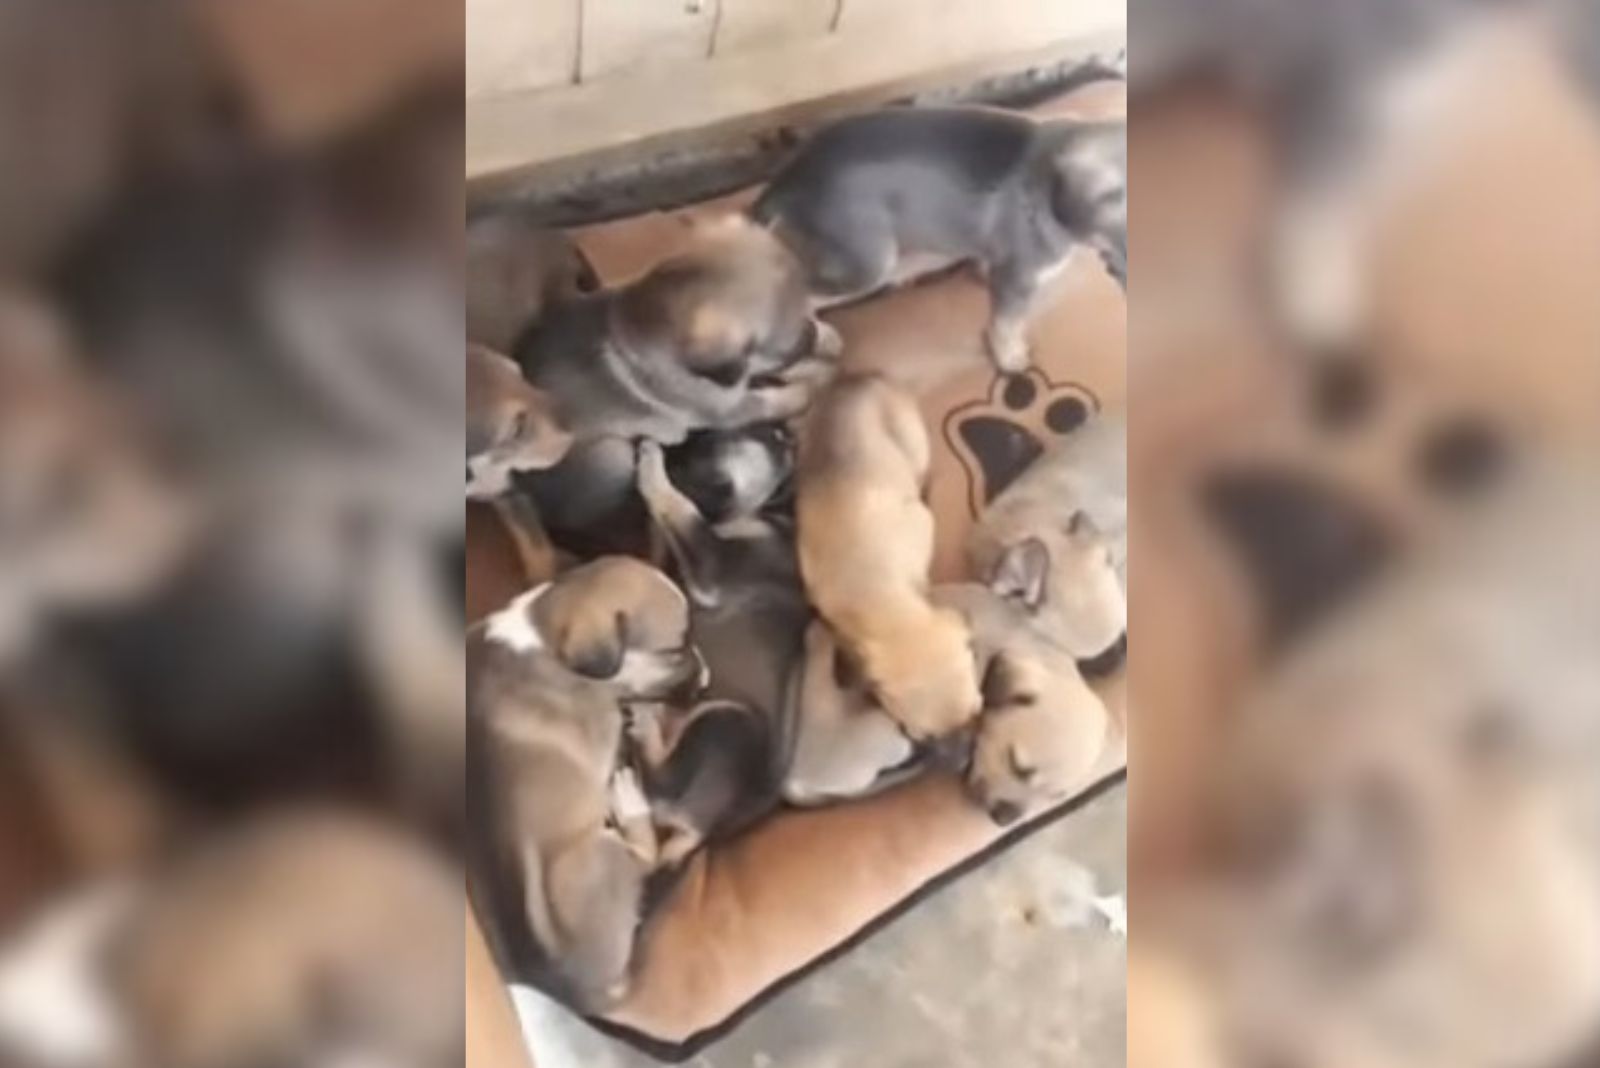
872,197
1054,542
564,836
866,542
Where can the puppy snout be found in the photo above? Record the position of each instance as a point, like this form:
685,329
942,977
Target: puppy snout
1005,813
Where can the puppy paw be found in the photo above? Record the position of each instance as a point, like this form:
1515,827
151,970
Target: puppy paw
783,401
651,468
829,344
1008,348
814,372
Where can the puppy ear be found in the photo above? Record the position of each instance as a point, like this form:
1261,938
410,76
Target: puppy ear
1022,572
594,649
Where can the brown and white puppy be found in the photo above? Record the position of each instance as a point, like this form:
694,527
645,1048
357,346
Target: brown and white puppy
312,938
517,269
1042,728
1055,541
866,544
89,517
553,811
511,425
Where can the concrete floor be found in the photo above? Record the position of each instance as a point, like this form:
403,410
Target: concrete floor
1021,963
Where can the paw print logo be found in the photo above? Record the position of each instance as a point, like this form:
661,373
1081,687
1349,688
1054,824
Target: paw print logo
998,437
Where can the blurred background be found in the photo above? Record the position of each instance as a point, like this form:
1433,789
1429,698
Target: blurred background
230,533
1363,378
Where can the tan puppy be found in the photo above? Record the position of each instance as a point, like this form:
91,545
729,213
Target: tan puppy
547,679
511,425
1042,728
88,516
845,746
313,938
1055,541
866,543
515,270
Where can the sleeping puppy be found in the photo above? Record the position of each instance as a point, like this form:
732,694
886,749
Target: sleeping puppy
313,938
1035,742
511,425
879,197
563,841
1055,541
1042,728
748,615
517,269
866,544
698,343
89,516
845,744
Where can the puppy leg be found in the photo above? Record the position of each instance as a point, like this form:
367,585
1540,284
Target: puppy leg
591,894
848,254
689,538
1013,292
630,811
535,551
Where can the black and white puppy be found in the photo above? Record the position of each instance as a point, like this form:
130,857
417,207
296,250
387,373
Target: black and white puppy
722,766
882,197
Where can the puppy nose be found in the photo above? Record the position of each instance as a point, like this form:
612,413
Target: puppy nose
1005,813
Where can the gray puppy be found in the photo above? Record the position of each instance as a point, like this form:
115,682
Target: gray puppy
880,197
697,343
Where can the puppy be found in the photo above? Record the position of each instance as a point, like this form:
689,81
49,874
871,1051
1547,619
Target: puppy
735,474
515,271
699,342
686,347
866,543
1042,728
511,425
90,518
748,615
1055,541
845,745
311,938
548,678
876,197
706,773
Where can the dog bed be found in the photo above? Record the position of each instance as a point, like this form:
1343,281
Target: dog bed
750,915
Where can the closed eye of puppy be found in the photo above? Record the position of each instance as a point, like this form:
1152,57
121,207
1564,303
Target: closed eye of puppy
1041,730
1042,727
874,197
547,679
866,544
511,425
